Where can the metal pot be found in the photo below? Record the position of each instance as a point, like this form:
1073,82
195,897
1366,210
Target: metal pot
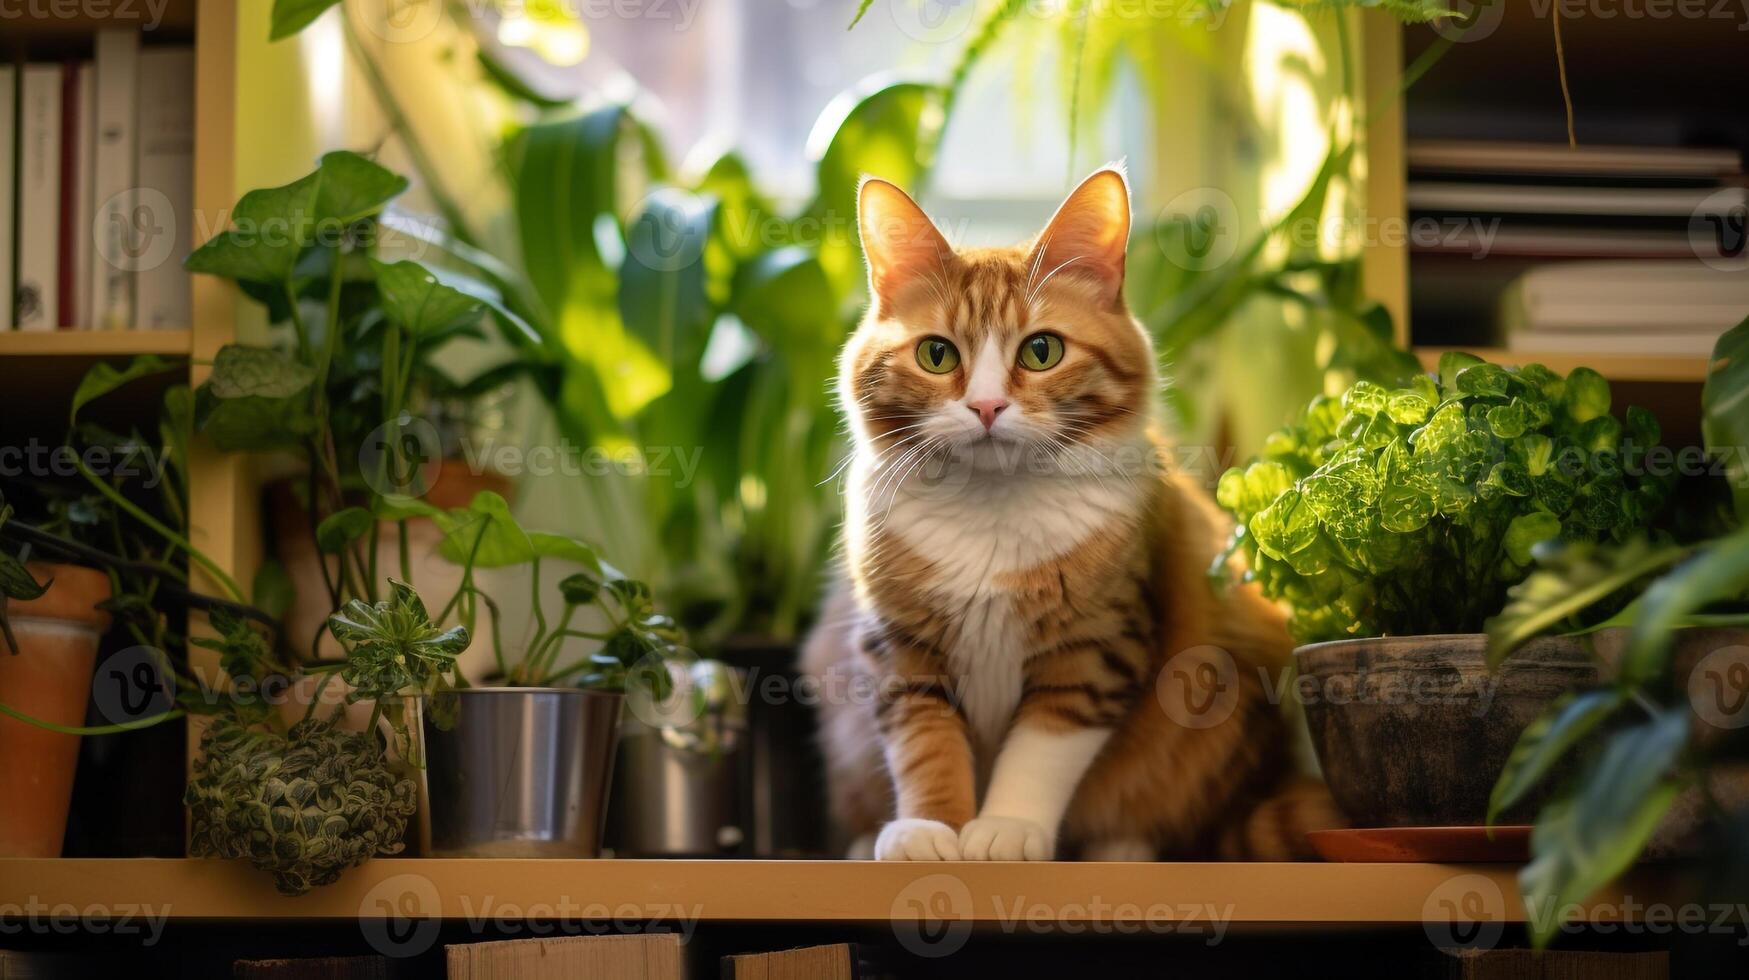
521,773
682,761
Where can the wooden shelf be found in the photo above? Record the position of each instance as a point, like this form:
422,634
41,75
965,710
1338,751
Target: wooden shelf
47,22
1615,367
810,891
95,343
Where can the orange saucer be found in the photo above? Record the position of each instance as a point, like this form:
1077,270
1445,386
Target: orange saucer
1424,845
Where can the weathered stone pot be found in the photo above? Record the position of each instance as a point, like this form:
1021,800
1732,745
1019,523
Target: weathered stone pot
1412,731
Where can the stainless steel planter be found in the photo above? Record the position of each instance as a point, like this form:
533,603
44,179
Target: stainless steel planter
524,772
678,788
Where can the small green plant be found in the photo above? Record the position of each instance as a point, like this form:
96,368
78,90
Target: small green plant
303,806
1412,511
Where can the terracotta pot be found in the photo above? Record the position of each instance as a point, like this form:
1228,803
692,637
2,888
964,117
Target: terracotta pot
454,486
48,678
1412,731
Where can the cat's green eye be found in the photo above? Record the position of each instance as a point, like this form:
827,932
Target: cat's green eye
1041,351
937,355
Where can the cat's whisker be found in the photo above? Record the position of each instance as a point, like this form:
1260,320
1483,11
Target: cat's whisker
1033,294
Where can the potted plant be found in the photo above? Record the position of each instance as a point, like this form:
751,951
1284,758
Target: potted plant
51,616
1392,523
368,488
522,767
1657,758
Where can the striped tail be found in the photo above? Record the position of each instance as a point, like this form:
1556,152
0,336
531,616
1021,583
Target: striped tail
1275,829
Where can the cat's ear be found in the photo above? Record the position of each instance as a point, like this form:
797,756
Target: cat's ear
1088,235
899,241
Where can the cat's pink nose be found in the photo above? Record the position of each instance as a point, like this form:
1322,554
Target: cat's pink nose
988,409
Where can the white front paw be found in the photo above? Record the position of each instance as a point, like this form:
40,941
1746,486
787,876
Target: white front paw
911,839
1006,839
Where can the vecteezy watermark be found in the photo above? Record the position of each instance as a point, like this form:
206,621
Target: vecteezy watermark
1718,229
1718,688
401,916
678,464
144,14
132,685
1476,20
1469,911
139,683
41,460
1466,911
932,916
402,457
36,917
1203,686
1200,229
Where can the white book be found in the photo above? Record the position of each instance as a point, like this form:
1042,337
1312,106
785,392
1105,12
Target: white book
1653,341
1651,202
84,250
1628,297
165,207
8,219
113,183
39,198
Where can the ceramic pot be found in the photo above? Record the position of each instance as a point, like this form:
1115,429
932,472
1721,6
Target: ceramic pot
1412,731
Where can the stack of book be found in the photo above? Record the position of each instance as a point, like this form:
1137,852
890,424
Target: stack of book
97,189
1608,250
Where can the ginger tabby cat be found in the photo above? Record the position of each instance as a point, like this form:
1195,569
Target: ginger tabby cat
1026,585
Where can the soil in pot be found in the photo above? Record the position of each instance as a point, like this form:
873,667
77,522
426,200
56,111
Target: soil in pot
49,677
1413,731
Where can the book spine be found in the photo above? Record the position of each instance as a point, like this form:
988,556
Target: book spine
66,280
8,206
84,248
39,198
163,299
112,279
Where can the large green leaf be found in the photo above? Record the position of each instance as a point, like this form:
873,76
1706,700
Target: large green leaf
1724,411
416,301
292,16
663,299
253,423
1719,572
341,528
241,371
103,379
1570,581
270,227
1585,840
871,129
354,187
486,533
1547,740
572,177
786,298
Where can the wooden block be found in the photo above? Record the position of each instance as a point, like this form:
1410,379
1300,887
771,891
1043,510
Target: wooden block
653,956
835,962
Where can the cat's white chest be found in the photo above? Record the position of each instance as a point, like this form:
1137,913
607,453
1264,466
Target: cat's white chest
986,661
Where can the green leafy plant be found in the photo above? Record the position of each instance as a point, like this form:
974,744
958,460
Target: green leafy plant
16,582
1646,751
1413,510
